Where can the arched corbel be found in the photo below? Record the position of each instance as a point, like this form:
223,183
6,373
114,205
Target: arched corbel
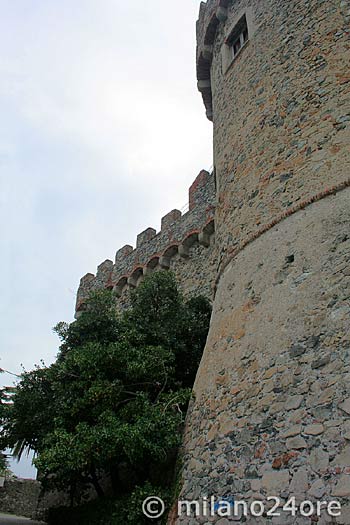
184,251
221,14
135,277
164,262
171,251
204,239
118,288
209,228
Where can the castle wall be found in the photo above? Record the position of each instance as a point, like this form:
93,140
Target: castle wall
20,497
25,497
185,244
280,112
271,414
198,276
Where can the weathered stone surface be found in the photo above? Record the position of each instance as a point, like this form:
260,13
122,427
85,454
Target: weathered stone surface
280,323
296,443
26,498
272,430
321,361
294,402
275,482
317,489
299,483
343,459
345,406
319,460
20,497
344,519
314,430
342,488
292,431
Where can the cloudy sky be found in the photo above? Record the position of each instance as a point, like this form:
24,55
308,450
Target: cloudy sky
102,131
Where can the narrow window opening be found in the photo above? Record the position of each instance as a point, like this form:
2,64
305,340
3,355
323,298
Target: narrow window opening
238,37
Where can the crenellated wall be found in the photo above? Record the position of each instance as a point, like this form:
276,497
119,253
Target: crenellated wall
184,244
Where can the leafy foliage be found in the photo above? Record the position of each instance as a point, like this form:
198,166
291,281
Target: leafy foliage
111,511
3,464
115,399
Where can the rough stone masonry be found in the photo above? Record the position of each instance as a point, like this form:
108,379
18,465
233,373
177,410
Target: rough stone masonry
271,414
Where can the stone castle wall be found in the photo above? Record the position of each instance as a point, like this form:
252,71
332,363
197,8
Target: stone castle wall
280,111
25,497
271,413
20,497
185,244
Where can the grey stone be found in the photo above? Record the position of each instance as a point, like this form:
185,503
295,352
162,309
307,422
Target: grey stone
290,432
317,489
344,518
297,350
319,460
314,430
294,402
343,458
296,443
321,361
299,483
342,488
275,481
345,406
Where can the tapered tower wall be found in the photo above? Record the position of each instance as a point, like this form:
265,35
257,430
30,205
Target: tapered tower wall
271,413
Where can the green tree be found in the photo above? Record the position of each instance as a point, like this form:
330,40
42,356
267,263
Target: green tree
160,315
3,464
118,391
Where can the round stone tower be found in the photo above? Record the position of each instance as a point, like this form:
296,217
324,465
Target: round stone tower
271,413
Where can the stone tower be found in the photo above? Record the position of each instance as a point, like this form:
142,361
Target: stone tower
271,414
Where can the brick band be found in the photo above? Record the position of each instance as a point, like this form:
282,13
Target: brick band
294,209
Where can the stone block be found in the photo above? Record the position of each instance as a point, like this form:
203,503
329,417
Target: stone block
345,406
170,218
294,402
196,189
184,251
145,236
342,488
275,482
123,252
314,430
164,262
296,443
319,460
204,239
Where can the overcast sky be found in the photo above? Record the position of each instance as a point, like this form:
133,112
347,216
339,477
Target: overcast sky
102,131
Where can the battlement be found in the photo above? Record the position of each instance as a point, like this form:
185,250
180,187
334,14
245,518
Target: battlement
179,232
211,14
